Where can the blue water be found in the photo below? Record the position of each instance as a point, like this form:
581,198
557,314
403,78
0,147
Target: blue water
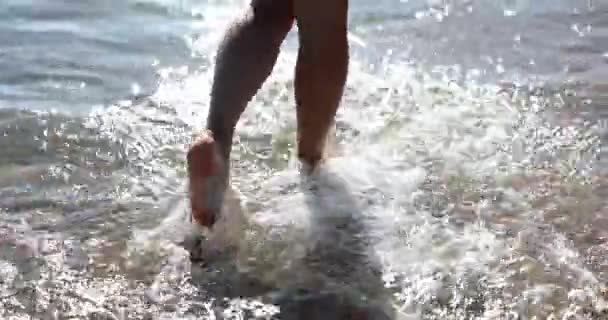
71,55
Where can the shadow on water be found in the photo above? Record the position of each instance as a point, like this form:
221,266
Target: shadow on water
338,276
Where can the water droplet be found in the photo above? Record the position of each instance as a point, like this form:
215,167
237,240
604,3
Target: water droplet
500,69
135,89
517,38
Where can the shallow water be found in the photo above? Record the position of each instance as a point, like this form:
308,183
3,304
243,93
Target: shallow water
466,181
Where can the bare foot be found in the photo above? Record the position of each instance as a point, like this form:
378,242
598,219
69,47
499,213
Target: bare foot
207,179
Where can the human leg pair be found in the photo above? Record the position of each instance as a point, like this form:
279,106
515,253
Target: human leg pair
245,59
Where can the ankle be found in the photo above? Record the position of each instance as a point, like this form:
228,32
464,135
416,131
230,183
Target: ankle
309,164
223,141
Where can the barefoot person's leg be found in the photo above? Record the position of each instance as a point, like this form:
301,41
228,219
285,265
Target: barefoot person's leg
321,71
245,59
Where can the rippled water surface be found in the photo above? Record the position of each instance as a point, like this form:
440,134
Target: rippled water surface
467,178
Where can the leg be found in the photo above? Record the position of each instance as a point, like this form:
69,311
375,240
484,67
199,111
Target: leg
245,59
321,71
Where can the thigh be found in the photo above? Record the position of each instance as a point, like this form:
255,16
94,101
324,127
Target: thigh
319,15
273,8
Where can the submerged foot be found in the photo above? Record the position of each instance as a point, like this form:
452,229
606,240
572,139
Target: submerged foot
309,166
207,181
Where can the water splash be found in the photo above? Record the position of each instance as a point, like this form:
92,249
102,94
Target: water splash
444,200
